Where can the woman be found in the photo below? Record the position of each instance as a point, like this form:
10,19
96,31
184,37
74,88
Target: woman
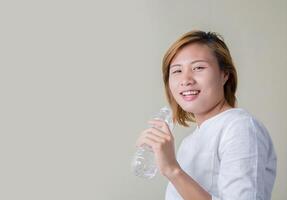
230,154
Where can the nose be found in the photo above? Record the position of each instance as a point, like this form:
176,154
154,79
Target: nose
187,79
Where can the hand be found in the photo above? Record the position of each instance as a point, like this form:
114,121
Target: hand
160,139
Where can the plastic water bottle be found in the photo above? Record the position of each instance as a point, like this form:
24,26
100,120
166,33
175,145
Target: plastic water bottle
143,164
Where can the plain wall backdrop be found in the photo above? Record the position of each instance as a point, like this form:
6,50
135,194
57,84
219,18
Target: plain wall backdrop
80,79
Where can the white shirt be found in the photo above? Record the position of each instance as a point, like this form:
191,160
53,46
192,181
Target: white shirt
231,156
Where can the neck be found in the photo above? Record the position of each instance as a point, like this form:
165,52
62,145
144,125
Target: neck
218,108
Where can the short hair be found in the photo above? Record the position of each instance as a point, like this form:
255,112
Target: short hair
216,43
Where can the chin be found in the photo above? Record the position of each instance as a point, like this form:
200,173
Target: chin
189,108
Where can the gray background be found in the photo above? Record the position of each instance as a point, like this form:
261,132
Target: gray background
79,80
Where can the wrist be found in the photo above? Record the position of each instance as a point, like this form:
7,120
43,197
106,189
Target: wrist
173,172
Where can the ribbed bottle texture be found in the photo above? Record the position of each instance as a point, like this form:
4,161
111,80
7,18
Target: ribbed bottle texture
143,163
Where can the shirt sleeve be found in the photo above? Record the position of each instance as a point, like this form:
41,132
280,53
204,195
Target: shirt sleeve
239,161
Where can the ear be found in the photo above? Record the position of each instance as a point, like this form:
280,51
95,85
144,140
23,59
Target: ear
225,77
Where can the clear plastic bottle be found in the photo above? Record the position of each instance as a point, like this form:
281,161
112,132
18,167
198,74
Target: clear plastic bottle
143,163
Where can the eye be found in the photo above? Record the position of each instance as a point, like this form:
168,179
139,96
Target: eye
198,68
176,71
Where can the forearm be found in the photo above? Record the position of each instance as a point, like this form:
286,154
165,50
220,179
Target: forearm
188,188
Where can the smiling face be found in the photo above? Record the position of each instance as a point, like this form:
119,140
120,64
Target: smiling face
196,81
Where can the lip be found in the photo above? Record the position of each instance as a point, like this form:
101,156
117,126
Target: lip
188,90
190,97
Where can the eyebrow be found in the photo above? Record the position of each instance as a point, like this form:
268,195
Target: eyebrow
195,61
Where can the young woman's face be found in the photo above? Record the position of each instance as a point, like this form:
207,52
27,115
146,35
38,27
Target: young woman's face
195,80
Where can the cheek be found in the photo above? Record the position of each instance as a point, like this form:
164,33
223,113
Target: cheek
172,86
213,86
172,91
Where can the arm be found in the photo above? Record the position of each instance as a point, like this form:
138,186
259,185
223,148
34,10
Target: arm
186,186
242,152
244,160
162,143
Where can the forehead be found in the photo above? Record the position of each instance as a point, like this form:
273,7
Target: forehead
195,51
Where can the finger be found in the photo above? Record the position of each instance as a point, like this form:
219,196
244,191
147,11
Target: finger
140,138
139,141
160,133
148,141
156,134
160,124
143,135
155,137
156,123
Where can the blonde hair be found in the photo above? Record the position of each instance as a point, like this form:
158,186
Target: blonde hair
215,42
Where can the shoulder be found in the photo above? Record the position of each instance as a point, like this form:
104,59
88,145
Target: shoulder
243,135
245,119
236,113
241,118
242,126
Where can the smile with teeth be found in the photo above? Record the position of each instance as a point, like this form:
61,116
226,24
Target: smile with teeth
190,92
